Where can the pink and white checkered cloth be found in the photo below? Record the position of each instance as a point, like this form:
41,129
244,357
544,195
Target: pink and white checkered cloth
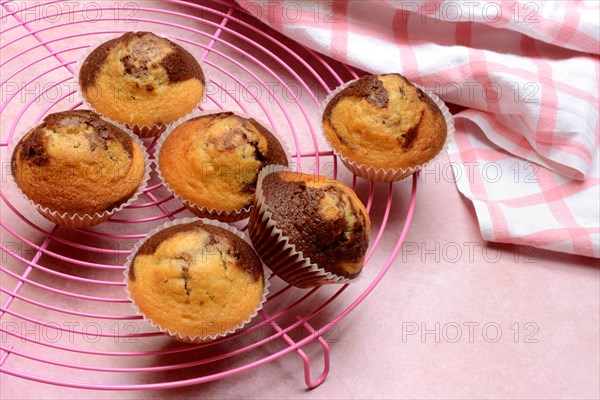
528,73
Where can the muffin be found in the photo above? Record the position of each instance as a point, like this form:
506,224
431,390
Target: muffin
142,80
77,168
196,281
212,162
308,229
384,122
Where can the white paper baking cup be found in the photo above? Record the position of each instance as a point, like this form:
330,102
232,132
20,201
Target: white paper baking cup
198,209
390,174
276,249
176,335
143,131
75,220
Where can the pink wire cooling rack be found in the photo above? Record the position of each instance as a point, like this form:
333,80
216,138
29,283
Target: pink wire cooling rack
65,318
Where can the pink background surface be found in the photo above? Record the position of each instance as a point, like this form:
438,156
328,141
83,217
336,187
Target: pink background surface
529,319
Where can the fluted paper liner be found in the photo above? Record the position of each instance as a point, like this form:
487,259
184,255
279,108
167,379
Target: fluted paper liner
390,174
166,330
276,250
143,131
197,209
76,220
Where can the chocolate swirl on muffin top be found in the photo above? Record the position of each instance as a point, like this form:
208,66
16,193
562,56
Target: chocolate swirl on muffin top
142,80
144,54
214,160
196,280
322,218
213,240
384,121
76,162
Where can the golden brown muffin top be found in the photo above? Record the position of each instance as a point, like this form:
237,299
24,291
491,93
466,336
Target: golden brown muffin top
147,59
323,219
142,79
196,279
384,121
214,160
76,162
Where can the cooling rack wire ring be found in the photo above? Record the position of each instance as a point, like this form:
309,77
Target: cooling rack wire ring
224,27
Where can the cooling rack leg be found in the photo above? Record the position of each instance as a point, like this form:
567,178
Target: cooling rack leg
326,364
305,360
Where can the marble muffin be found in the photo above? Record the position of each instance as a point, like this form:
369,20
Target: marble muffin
212,163
76,163
320,217
384,122
141,79
196,280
